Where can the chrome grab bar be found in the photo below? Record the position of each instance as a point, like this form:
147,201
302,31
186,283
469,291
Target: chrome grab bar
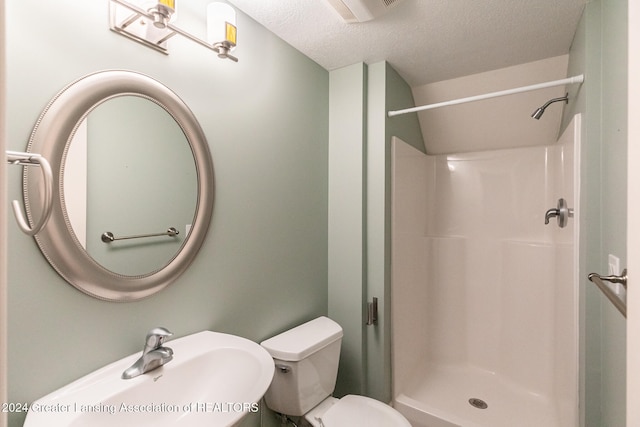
33,159
608,292
108,236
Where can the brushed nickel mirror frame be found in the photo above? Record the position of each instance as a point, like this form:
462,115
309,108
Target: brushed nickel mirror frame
51,137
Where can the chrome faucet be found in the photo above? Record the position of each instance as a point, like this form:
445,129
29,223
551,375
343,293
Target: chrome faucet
153,356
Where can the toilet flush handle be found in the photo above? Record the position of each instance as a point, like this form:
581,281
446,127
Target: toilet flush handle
285,369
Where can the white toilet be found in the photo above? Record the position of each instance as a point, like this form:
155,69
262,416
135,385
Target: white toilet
306,359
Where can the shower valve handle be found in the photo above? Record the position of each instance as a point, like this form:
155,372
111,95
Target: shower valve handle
561,212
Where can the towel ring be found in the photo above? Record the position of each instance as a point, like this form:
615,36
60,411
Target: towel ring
31,159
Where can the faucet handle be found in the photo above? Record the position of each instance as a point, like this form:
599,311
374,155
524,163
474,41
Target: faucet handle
562,212
156,336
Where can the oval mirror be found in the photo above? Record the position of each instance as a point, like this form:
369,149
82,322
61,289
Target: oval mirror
133,185
148,190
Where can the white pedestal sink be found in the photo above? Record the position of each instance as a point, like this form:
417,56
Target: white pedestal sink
214,379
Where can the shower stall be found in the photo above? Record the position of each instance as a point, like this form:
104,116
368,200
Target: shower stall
484,293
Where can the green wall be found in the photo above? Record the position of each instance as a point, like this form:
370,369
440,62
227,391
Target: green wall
360,259
263,267
347,221
599,51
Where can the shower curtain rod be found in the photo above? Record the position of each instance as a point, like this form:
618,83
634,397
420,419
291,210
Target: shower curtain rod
561,82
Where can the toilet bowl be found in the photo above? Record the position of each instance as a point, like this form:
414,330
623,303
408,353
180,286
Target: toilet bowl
306,359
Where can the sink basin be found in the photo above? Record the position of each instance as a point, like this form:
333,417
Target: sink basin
214,379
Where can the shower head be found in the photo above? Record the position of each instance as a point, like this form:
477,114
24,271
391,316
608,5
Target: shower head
540,111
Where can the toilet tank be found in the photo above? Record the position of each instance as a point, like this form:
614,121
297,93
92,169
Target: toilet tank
306,359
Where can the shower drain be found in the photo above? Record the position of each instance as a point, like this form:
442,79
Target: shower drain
478,403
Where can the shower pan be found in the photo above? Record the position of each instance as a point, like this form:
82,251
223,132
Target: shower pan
484,294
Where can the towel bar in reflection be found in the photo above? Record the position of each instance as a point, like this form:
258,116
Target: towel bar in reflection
108,236
33,159
609,293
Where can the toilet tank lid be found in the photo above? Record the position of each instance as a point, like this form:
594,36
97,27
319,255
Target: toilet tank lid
298,343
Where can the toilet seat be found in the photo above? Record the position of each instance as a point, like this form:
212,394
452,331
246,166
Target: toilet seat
353,410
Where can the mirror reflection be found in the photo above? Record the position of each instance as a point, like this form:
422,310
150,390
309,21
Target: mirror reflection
129,170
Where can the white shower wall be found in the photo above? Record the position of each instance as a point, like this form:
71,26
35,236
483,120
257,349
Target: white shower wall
482,288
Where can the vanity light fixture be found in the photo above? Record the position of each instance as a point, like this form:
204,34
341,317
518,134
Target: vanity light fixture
222,32
151,23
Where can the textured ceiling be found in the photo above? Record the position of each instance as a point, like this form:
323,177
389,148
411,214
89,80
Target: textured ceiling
425,40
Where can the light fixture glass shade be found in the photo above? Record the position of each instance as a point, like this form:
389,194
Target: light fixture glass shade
221,24
168,3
